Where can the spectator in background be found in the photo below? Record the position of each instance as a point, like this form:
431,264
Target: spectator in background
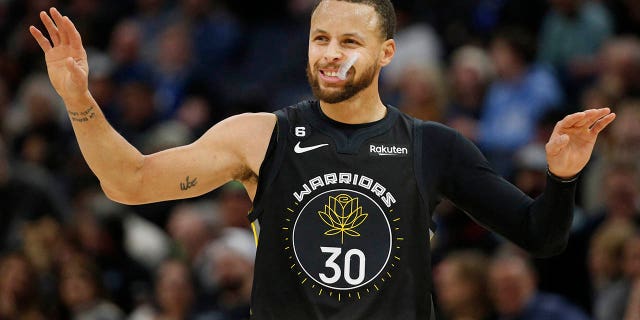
572,33
22,200
21,56
621,190
166,134
612,269
521,94
18,289
235,205
470,74
101,82
614,301
174,294
631,267
206,20
98,228
530,169
96,19
619,61
37,133
232,256
193,227
595,96
43,245
198,114
418,48
606,254
138,111
514,292
461,286
421,92
125,50
82,293
173,70
151,16
620,144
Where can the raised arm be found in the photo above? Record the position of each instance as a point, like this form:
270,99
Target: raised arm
540,226
231,150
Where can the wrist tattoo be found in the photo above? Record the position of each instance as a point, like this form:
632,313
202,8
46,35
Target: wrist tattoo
82,116
188,184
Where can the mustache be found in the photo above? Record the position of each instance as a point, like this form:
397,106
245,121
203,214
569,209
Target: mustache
330,65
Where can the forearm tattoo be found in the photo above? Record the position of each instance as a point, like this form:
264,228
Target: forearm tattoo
188,184
82,116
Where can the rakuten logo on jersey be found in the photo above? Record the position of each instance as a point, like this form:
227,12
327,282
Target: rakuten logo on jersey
388,150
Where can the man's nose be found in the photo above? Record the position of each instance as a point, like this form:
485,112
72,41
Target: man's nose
334,52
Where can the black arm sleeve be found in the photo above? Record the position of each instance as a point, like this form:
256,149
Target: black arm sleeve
540,226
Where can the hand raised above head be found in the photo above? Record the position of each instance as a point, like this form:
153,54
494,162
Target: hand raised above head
66,59
572,141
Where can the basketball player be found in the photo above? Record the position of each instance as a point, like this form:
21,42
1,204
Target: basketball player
343,188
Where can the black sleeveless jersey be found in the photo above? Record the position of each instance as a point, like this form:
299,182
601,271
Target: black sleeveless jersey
342,214
342,224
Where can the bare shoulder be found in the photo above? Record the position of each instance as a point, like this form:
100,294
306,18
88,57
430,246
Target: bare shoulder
255,130
251,123
249,134
246,135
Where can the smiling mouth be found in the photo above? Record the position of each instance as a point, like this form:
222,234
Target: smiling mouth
329,73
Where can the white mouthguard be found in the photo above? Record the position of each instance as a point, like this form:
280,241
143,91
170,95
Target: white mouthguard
344,68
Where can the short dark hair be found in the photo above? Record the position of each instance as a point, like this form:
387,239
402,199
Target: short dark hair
385,11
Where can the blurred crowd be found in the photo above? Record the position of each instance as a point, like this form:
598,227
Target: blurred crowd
502,72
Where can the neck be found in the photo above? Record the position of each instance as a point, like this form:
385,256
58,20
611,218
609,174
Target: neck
364,107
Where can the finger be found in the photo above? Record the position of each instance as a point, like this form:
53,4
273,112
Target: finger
556,144
571,120
51,28
57,18
40,38
594,115
591,116
74,36
602,123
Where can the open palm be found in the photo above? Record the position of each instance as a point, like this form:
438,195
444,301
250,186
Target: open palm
572,141
66,59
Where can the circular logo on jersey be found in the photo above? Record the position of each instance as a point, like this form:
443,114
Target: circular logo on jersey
342,239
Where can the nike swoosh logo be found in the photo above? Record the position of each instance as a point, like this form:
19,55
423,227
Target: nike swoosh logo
299,149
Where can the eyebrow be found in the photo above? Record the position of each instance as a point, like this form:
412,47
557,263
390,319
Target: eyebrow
350,34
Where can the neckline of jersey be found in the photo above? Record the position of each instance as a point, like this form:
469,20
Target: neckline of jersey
348,143
341,125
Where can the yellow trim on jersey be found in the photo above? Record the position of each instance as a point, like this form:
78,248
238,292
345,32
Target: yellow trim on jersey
255,232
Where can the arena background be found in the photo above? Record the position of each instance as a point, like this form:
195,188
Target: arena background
500,71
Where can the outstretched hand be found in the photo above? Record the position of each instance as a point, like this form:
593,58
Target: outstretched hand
573,139
66,59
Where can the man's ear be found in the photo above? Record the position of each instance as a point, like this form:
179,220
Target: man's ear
387,52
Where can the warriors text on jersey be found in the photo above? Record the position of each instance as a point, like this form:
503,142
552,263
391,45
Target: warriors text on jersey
343,214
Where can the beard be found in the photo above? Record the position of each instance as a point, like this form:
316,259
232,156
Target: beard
350,89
